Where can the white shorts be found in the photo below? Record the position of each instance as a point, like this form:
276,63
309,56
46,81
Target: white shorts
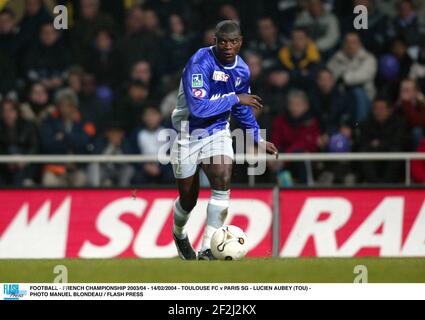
187,154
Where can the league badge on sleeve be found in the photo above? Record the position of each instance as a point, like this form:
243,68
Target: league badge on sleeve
197,80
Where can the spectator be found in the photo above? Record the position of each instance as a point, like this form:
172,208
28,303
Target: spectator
152,24
83,33
383,131
329,105
38,106
8,79
285,13
408,25
393,68
300,58
169,102
322,26
138,43
264,121
399,50
417,70
36,15
166,8
8,54
74,78
65,132
134,22
257,80
8,33
116,9
411,104
17,137
102,59
388,7
228,11
268,42
355,68
92,108
418,166
141,71
208,38
177,45
296,131
153,27
420,7
129,109
275,90
148,144
48,60
336,171
112,142
375,38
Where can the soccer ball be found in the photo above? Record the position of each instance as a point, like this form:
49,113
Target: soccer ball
229,243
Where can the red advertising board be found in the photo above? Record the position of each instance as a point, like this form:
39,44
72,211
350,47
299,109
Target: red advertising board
110,223
347,223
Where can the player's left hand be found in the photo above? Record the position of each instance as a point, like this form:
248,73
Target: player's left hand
270,148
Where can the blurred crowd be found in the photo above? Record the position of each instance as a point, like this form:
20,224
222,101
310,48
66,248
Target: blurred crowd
108,84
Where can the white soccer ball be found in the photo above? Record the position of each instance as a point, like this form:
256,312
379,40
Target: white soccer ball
229,243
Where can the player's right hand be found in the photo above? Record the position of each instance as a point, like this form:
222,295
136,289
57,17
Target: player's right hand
250,100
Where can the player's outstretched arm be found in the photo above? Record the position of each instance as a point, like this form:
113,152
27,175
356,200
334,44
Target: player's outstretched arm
250,100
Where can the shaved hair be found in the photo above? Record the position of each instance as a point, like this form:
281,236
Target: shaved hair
227,27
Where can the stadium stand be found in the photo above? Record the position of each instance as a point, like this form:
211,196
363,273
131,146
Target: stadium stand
101,86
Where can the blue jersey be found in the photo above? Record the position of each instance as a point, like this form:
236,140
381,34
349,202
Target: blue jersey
207,95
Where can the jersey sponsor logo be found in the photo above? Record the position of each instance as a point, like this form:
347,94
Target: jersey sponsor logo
199,93
220,76
197,80
238,81
219,95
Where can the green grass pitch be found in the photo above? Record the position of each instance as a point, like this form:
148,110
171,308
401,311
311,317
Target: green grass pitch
313,270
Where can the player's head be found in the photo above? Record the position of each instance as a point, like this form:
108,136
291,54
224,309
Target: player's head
228,39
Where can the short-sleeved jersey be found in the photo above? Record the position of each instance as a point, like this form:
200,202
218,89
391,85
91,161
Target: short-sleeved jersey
207,95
